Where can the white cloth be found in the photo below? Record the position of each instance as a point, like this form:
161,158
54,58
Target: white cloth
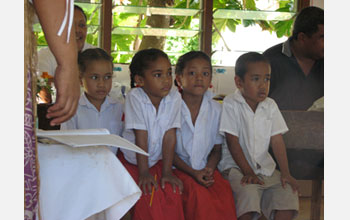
47,61
141,114
76,183
195,142
253,130
87,116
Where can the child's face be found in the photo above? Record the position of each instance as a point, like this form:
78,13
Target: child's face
196,77
256,83
156,80
97,81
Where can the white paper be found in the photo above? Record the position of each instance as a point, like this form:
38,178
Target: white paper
89,137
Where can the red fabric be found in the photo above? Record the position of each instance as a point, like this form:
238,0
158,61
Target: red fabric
165,205
201,203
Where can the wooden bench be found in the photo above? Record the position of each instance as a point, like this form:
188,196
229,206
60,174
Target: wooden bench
305,150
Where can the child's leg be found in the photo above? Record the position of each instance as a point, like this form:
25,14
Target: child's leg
247,198
279,202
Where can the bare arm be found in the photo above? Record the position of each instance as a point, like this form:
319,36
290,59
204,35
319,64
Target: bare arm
145,178
279,150
51,13
214,157
238,155
168,152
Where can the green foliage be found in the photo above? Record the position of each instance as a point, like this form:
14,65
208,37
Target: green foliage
122,45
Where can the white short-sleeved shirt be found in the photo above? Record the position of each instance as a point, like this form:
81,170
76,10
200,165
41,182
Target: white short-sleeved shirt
47,61
87,116
195,142
253,130
141,114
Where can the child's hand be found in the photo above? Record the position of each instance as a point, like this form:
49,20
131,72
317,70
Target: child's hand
203,177
251,179
146,180
173,180
287,178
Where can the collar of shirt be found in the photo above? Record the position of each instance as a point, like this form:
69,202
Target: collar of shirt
286,48
146,100
239,98
208,95
107,102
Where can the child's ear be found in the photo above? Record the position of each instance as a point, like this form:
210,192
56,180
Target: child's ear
139,80
239,82
178,80
81,79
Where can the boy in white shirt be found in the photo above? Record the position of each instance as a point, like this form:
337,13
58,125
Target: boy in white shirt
251,122
96,109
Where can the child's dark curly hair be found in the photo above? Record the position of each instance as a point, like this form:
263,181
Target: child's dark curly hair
92,54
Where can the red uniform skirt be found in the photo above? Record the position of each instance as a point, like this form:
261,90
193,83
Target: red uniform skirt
214,202
165,204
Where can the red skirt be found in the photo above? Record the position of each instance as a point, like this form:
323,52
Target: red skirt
165,204
214,202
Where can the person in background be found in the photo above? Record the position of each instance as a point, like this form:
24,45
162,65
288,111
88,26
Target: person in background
46,61
251,122
152,114
297,65
207,195
96,109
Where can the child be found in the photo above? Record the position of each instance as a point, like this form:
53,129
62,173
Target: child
152,114
96,109
198,148
251,122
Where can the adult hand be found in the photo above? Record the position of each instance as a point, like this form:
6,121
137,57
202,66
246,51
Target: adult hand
68,93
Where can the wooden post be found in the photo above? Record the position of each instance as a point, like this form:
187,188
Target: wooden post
106,25
302,4
206,26
316,200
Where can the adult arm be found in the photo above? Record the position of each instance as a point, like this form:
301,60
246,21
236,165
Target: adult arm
249,177
51,13
279,150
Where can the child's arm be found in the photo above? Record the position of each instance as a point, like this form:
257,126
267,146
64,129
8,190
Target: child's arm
214,157
145,178
213,160
168,151
237,154
198,175
279,150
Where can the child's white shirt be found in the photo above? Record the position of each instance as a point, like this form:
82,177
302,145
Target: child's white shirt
141,114
87,116
195,142
253,130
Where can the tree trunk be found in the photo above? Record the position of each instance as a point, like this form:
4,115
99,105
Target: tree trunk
156,21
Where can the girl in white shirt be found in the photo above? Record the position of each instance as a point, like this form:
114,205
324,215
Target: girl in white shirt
206,195
96,109
152,114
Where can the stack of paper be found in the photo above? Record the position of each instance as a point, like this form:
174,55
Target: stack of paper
87,137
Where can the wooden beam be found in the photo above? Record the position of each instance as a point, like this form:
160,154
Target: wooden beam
106,25
206,26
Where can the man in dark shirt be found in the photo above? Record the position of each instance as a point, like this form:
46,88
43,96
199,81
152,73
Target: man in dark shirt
297,70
